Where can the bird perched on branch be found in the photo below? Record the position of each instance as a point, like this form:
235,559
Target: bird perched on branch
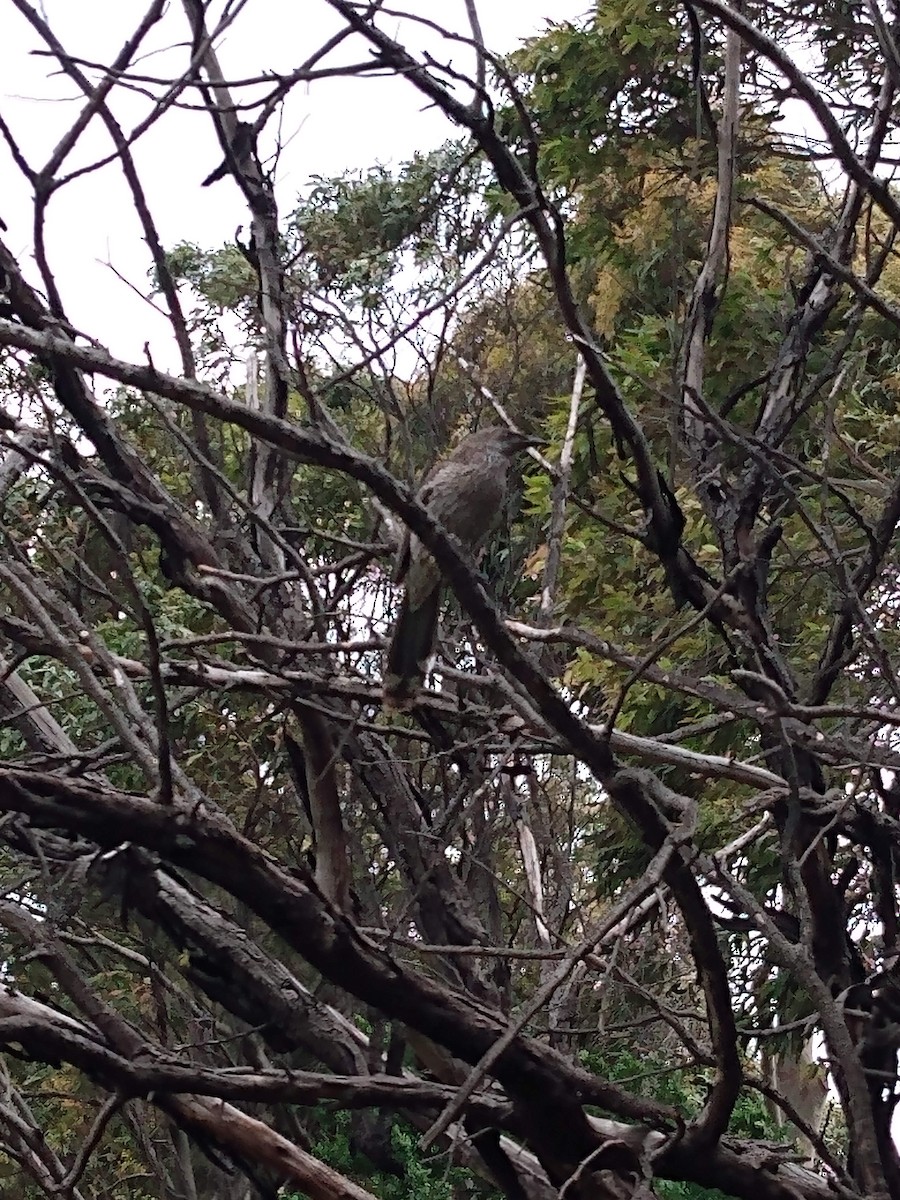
465,493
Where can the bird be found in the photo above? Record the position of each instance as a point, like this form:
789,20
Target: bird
465,493
241,147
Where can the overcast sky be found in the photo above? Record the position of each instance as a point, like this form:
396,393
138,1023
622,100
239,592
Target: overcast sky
333,124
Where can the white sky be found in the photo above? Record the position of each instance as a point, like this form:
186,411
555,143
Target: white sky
335,124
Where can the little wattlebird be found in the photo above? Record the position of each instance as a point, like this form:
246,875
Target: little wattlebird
465,493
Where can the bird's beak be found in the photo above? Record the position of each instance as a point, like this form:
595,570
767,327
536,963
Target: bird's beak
525,441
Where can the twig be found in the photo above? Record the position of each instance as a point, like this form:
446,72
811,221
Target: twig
560,495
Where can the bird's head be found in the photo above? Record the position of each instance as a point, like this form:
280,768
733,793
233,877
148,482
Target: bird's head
509,441
491,444
514,440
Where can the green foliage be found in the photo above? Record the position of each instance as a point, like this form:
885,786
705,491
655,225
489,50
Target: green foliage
224,277
66,1103
592,87
419,1177
349,229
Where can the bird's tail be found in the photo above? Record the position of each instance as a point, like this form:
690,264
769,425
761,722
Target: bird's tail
410,649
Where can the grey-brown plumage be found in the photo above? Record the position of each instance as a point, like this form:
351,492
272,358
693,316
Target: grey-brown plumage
465,493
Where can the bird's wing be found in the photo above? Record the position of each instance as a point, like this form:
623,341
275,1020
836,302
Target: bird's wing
404,554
